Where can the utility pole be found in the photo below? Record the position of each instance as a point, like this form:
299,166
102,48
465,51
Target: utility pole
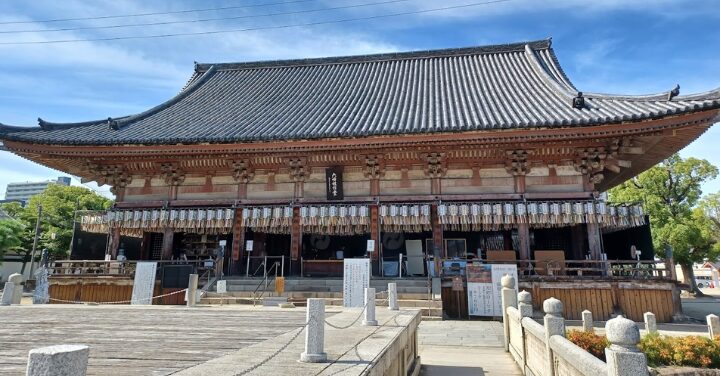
35,242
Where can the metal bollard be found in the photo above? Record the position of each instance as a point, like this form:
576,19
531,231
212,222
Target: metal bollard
192,290
392,297
315,333
369,319
58,360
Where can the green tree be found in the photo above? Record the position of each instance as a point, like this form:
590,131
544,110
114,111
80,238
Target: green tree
10,231
59,204
670,192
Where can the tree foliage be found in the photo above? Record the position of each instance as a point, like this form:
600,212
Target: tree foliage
59,204
10,236
670,193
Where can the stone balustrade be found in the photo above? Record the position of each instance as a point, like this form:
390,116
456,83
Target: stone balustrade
543,350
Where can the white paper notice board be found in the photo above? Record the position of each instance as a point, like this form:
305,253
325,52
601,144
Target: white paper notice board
356,277
483,288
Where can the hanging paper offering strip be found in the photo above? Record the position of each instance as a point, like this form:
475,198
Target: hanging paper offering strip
505,215
405,218
200,221
335,219
268,219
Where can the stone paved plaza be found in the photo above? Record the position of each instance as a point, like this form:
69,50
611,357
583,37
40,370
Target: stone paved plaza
140,340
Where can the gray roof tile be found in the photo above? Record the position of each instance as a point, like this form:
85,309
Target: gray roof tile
480,88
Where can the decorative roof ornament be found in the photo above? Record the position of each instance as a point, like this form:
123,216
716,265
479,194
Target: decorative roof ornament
579,101
113,124
674,92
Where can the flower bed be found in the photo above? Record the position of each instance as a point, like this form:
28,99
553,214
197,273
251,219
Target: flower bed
688,351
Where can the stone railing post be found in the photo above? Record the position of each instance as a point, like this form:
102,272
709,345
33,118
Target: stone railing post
192,290
554,325
508,299
58,360
587,320
650,323
315,332
7,295
369,319
716,278
392,297
713,322
623,356
17,279
526,310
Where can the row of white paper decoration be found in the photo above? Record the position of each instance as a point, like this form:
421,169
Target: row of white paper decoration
335,219
492,216
200,221
268,219
339,219
405,218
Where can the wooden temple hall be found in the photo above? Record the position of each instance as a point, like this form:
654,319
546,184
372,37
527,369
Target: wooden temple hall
486,153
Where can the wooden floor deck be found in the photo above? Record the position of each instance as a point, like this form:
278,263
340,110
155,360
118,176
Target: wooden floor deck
156,340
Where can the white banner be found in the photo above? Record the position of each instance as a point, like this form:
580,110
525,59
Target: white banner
356,277
144,284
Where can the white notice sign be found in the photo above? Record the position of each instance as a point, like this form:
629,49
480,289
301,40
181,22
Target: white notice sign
144,284
221,286
479,290
498,271
249,246
370,245
484,288
356,278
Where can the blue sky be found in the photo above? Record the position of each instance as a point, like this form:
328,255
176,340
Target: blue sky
614,46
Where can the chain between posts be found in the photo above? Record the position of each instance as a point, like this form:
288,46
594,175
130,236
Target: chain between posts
115,302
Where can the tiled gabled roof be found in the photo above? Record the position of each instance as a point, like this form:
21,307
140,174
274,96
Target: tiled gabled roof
513,86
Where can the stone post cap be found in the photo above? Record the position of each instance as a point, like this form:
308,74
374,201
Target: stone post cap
57,349
15,278
712,316
507,281
524,297
622,332
648,314
586,311
553,307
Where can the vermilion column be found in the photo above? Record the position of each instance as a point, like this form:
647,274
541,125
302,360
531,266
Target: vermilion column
167,244
295,239
238,240
114,242
437,236
375,231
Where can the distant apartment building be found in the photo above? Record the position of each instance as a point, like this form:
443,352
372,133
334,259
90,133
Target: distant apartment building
23,191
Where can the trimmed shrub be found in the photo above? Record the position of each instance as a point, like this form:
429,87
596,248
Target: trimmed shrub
593,343
689,351
659,350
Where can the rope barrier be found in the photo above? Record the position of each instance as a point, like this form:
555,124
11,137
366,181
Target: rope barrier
351,324
115,302
281,349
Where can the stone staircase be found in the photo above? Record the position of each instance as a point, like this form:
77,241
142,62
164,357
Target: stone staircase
412,293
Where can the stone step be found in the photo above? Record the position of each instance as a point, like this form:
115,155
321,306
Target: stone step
310,294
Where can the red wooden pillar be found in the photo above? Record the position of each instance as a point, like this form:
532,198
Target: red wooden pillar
114,242
238,242
375,235
437,231
167,243
594,242
295,241
523,228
